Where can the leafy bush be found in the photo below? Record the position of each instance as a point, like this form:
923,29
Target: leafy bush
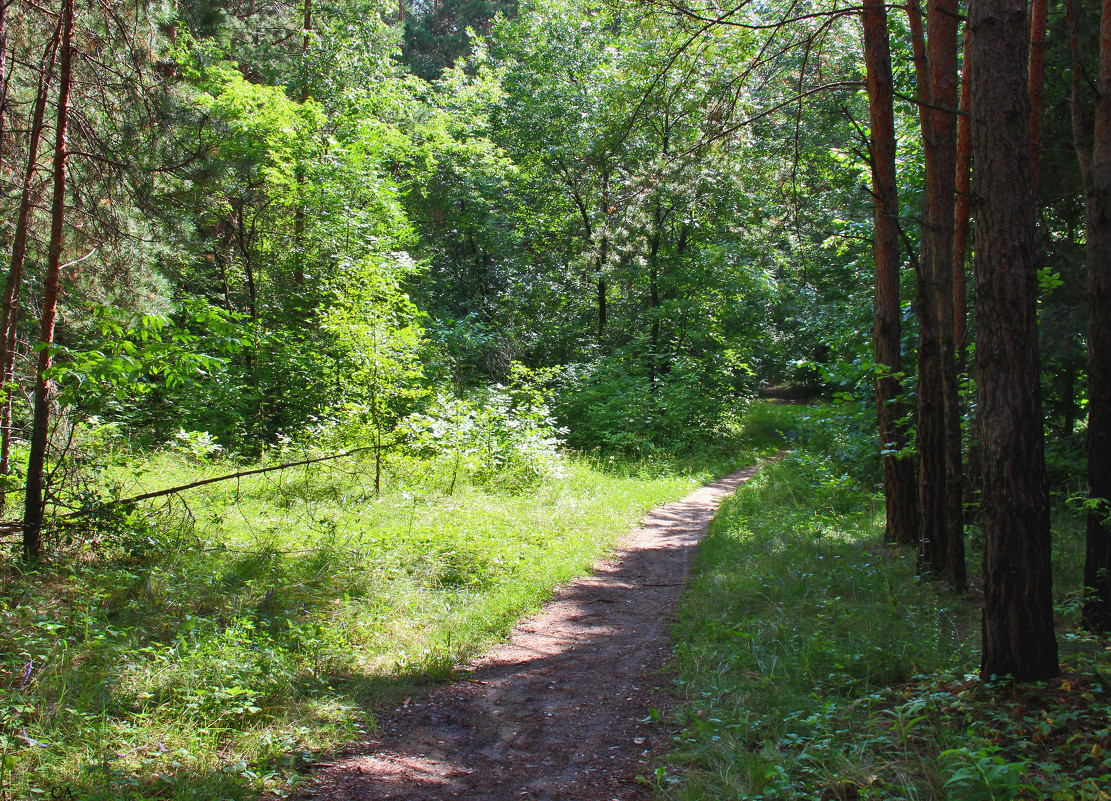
846,432
612,403
498,436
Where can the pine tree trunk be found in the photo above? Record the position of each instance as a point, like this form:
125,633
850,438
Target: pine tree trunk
33,510
1018,635
1039,13
9,323
900,492
941,550
942,48
961,226
299,212
654,241
603,258
963,210
1097,563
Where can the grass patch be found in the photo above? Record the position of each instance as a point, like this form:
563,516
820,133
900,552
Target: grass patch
814,666
210,646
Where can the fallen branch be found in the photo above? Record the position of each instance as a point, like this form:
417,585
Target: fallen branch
146,496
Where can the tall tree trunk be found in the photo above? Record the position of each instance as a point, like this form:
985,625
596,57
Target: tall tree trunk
1068,388
3,76
1097,562
900,492
930,429
1018,636
944,89
9,323
961,230
963,211
918,49
33,509
1039,14
654,293
939,435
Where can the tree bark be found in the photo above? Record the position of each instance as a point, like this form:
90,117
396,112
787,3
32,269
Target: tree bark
918,49
299,212
654,293
1096,613
33,510
963,210
1039,14
603,257
900,492
3,76
1017,624
940,479
9,322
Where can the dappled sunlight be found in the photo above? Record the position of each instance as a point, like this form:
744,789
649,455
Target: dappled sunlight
565,708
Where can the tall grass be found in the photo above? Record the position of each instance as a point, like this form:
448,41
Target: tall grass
813,665
208,647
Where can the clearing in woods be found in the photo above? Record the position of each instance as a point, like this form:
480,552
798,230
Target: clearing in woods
564,709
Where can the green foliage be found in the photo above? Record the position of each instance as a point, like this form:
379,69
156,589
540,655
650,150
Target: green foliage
126,356
207,649
846,432
209,646
982,775
497,437
607,404
814,665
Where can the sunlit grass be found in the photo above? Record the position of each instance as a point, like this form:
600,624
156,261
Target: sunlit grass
208,646
813,664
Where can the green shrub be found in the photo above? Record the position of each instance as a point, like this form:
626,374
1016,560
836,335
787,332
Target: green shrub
612,403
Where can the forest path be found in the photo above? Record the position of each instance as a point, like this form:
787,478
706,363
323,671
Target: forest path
556,712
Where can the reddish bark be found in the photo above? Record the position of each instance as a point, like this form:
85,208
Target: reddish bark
33,511
898,473
918,48
603,258
940,479
3,76
299,212
1018,636
963,209
1083,152
9,320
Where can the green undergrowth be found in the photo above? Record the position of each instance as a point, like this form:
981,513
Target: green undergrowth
209,646
813,665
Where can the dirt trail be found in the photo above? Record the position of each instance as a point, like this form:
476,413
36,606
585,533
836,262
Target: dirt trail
556,712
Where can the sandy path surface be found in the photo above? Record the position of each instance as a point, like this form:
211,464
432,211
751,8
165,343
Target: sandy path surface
561,710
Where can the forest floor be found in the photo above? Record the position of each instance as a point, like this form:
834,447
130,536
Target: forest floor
567,708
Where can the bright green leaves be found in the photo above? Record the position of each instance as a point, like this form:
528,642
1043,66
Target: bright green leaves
376,344
128,355
259,123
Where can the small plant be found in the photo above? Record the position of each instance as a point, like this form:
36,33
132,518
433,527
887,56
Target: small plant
500,436
982,775
198,446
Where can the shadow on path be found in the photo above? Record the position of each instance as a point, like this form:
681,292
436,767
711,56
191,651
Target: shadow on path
560,710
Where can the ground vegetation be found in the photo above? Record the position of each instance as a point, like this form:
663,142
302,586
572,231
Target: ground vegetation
344,257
